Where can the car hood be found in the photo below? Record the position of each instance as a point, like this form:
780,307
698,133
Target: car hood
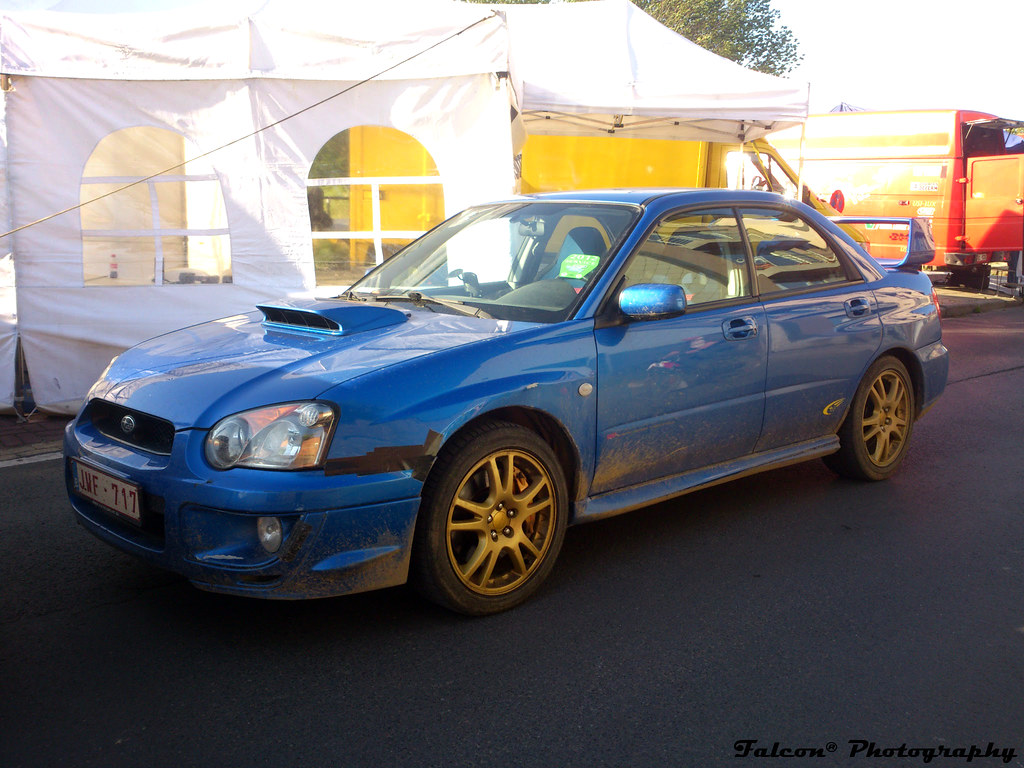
287,351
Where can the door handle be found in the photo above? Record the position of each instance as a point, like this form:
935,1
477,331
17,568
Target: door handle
858,307
739,328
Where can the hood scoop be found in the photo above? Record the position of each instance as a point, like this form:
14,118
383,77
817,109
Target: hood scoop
334,318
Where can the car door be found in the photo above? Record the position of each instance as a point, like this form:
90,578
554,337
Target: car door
823,327
995,203
687,391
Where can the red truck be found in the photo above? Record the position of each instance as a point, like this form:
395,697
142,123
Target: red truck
963,170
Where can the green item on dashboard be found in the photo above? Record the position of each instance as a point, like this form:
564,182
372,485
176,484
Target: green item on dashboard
578,265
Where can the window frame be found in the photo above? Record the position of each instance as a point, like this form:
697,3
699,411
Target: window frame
376,235
155,232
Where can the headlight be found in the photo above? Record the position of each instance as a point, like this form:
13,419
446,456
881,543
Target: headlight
291,436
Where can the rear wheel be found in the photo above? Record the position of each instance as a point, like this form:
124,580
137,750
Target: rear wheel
875,435
975,277
492,520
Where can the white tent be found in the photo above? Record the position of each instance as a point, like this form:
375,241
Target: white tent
251,95
607,67
75,80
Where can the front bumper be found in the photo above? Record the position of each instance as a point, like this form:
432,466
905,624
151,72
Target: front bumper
342,534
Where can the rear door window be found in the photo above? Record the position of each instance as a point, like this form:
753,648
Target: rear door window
789,254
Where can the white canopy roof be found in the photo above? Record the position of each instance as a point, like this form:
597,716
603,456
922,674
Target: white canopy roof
583,68
293,39
605,67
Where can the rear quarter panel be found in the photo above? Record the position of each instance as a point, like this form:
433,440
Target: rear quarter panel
911,328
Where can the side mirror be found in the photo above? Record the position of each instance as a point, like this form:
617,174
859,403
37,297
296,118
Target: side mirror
651,301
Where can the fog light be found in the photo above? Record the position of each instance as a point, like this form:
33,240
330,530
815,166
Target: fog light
269,531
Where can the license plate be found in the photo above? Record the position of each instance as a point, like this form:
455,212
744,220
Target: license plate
108,491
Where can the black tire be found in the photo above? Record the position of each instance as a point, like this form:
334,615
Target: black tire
976,277
876,432
491,522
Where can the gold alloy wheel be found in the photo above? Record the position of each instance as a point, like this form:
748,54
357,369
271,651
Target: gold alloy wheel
886,420
500,523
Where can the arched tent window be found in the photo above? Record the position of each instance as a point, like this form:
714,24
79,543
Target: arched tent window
169,229
371,190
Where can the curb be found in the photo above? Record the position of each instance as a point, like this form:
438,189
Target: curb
28,438
960,302
42,453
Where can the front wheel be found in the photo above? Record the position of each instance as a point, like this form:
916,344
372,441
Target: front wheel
491,522
876,432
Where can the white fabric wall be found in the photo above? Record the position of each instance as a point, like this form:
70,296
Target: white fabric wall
8,301
70,332
8,333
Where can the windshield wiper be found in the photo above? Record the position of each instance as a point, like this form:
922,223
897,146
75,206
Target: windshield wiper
419,300
352,296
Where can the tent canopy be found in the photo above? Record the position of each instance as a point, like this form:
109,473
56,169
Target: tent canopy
285,39
584,68
602,67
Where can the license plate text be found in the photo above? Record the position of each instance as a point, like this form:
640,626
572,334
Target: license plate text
109,492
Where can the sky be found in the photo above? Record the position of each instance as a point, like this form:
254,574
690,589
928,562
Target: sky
910,54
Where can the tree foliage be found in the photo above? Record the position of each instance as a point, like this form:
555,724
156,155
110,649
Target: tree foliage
746,31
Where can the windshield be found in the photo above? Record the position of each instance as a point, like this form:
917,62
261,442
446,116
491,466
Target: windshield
511,261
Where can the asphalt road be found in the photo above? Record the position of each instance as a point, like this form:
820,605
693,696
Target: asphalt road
791,608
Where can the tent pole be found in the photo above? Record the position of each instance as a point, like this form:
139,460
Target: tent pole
800,162
740,181
742,170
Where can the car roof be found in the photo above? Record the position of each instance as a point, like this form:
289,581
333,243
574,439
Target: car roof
646,196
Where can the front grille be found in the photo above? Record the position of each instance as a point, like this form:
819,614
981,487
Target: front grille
132,427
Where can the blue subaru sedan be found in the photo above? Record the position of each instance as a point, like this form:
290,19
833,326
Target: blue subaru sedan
525,366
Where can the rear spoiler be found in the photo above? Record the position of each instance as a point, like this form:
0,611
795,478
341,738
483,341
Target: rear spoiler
916,232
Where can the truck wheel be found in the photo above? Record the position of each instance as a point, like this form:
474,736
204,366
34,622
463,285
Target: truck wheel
976,278
874,436
491,522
